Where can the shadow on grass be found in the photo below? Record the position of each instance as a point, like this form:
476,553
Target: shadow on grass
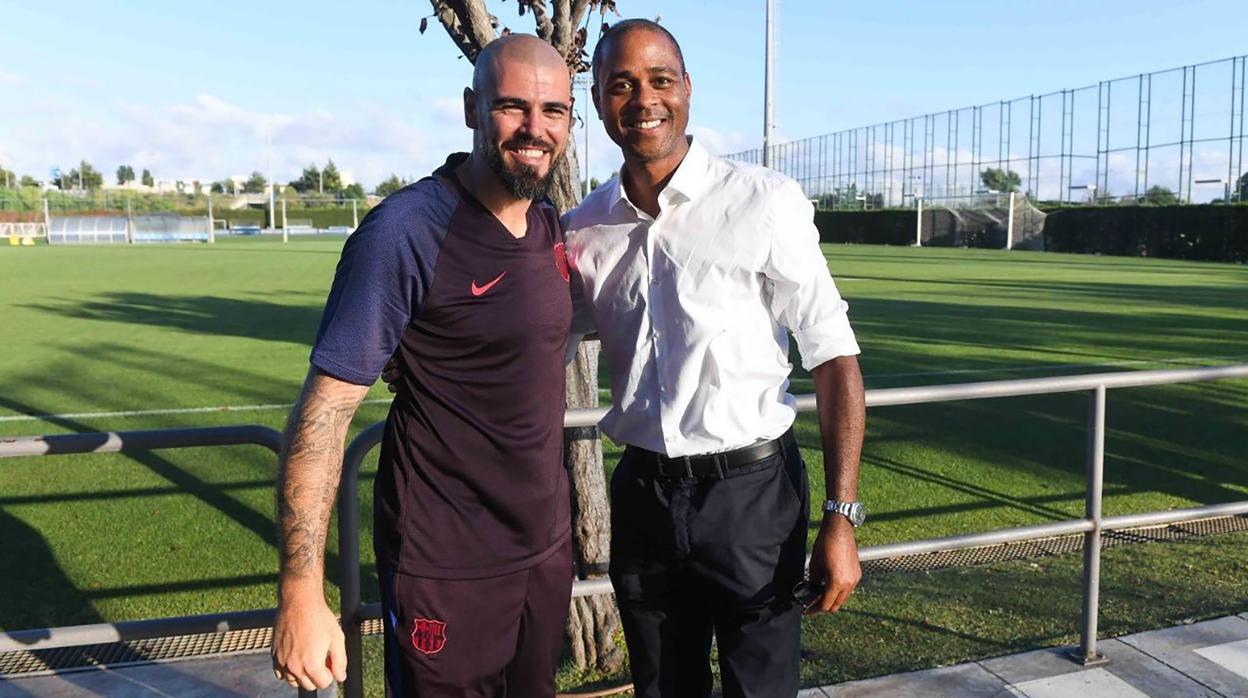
929,257
65,600
1225,297
37,592
251,318
1179,441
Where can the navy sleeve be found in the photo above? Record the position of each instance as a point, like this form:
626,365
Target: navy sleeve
380,284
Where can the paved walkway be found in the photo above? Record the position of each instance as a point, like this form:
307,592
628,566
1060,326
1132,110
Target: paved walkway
1202,659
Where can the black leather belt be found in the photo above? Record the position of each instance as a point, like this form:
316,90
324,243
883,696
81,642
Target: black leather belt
706,465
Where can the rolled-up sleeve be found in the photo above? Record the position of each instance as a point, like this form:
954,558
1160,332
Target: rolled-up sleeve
804,297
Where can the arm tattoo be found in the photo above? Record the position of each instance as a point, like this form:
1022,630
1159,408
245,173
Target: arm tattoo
308,471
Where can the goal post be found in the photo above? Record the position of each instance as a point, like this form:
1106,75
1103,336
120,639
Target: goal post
985,219
23,234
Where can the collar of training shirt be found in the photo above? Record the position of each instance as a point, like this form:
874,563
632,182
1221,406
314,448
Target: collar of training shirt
691,178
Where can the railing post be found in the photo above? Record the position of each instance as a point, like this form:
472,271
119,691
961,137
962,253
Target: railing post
1095,471
349,556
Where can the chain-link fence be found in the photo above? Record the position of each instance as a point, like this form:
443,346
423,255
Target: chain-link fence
1174,136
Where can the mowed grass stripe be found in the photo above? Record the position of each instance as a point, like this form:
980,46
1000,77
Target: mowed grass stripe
111,537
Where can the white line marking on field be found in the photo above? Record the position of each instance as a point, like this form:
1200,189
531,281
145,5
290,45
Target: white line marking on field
147,413
380,401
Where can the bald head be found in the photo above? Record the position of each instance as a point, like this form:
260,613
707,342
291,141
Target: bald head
520,110
514,52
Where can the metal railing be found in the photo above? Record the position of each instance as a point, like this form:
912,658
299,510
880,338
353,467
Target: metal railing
133,442
354,613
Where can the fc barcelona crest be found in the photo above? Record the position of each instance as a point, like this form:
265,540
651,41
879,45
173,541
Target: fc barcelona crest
428,636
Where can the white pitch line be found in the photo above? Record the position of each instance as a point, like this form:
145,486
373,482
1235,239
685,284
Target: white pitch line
146,413
379,401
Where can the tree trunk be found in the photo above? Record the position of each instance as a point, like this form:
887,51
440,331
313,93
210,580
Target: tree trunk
593,621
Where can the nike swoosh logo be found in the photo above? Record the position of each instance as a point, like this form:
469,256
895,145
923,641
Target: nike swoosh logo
478,290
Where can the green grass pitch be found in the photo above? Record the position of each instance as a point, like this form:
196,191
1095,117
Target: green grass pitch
89,333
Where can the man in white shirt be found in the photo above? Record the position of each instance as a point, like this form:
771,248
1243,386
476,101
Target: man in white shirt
691,269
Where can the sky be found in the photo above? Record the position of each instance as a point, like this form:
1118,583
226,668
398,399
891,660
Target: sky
198,90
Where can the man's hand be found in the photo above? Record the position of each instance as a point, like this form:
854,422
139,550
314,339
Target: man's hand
309,649
390,374
835,562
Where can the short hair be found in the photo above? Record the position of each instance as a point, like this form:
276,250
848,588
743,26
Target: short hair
626,26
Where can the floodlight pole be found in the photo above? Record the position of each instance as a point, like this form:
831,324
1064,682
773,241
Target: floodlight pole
768,78
285,234
129,223
1009,226
918,223
212,226
268,137
355,214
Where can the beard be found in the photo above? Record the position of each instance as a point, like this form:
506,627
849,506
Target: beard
523,182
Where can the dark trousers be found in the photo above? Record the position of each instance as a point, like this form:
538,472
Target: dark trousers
476,638
692,557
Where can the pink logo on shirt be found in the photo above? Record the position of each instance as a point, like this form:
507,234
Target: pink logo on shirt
561,262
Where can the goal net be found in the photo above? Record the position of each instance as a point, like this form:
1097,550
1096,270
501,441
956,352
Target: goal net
989,220
23,233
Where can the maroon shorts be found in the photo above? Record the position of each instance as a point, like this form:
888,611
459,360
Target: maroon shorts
499,636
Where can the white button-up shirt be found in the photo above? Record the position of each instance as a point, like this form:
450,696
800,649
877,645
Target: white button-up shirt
692,305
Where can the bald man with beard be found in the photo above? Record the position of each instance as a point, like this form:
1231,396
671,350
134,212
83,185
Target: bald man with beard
461,278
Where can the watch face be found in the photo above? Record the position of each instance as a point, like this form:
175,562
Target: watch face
857,513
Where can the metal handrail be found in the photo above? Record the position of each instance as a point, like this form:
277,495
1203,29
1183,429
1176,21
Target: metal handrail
354,613
128,631
132,442
1092,525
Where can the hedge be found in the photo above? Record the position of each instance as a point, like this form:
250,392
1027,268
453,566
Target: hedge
1201,232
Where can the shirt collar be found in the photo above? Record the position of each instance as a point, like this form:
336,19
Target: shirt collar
691,178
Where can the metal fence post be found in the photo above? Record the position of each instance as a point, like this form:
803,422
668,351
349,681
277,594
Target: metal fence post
349,555
1087,654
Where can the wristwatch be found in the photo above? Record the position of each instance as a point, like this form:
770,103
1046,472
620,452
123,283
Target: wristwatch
854,511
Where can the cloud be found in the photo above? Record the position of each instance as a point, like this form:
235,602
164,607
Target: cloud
11,79
448,112
210,138
721,143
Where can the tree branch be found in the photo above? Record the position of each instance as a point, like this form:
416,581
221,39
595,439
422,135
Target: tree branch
565,27
578,12
541,18
468,24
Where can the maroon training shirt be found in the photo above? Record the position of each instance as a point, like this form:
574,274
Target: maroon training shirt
471,480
